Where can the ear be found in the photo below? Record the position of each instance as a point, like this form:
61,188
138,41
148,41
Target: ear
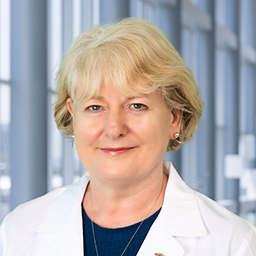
70,107
176,122
71,110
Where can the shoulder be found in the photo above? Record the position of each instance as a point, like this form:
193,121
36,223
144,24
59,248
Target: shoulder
37,208
20,223
33,209
227,228
48,213
211,210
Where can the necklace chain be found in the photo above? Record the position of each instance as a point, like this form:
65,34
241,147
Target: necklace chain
95,243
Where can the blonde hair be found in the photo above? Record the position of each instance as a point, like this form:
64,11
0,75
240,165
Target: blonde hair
136,58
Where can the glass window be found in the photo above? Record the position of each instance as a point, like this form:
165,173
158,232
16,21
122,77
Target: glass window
66,21
5,181
203,4
5,107
247,21
227,14
247,99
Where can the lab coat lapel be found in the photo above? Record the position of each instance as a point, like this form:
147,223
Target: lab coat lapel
69,241
160,240
65,243
61,231
180,217
181,207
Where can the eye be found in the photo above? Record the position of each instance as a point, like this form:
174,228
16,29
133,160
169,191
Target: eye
139,106
94,108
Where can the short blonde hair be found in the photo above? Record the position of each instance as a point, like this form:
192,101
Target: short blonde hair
136,58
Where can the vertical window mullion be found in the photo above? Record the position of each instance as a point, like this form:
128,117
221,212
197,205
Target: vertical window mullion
55,140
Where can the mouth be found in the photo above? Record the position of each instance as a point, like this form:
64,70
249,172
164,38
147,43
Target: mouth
117,151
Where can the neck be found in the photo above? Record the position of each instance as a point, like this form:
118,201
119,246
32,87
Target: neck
119,205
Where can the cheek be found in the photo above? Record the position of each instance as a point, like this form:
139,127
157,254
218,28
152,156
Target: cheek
87,131
163,132
154,130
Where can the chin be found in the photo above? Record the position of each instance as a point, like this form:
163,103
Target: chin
115,174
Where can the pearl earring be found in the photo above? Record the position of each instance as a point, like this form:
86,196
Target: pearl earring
176,135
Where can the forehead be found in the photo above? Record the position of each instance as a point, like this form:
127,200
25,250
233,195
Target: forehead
83,93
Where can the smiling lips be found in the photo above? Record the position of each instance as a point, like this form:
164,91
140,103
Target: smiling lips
116,151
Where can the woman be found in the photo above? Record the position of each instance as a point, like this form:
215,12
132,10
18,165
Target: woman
125,96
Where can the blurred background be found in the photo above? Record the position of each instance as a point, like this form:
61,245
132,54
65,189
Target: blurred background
217,39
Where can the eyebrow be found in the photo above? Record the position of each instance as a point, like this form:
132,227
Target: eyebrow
129,98
96,98
139,96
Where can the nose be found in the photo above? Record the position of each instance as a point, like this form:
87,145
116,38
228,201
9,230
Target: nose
116,126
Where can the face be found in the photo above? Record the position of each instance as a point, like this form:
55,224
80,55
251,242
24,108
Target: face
120,138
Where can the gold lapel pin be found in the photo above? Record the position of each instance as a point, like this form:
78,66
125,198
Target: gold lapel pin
158,254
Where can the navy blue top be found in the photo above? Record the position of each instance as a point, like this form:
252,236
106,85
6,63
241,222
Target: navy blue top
112,242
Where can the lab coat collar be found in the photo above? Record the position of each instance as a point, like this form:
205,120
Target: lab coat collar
64,207
61,231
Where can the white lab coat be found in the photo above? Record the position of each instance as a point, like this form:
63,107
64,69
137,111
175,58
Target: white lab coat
188,224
